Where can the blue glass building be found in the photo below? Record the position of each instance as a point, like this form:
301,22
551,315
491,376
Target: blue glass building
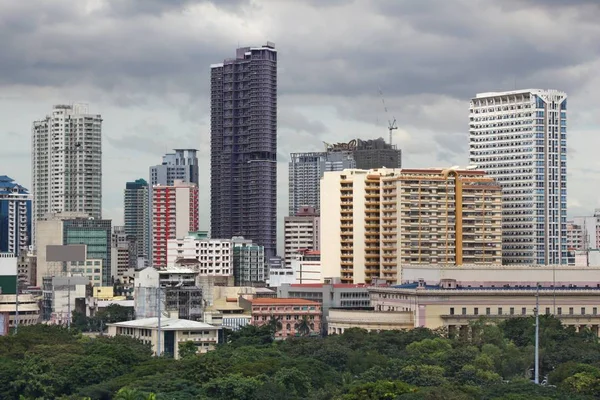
15,216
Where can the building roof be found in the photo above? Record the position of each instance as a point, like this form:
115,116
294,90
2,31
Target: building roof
167,324
335,285
283,302
8,185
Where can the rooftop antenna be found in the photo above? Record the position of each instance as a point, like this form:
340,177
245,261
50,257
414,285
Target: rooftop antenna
391,123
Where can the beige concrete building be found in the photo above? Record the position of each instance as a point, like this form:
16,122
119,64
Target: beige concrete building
173,333
29,311
449,304
301,232
374,222
339,320
49,231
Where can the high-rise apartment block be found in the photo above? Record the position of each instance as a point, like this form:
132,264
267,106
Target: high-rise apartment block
248,262
375,221
520,139
137,218
181,165
306,171
67,162
174,214
15,217
212,256
301,232
244,147
123,255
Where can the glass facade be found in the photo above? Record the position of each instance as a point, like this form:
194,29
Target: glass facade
96,235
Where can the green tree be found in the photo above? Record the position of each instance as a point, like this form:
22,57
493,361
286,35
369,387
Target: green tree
380,390
187,349
304,326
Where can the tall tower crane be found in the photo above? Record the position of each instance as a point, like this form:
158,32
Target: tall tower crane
391,122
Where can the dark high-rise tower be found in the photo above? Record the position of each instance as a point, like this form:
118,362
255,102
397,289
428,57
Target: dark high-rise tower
137,217
244,147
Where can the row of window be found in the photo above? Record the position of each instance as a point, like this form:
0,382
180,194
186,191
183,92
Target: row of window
511,311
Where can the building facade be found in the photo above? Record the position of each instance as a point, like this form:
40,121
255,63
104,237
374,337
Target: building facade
376,153
248,262
520,139
67,162
374,222
15,217
174,214
301,232
291,313
172,333
136,207
123,252
306,171
244,147
96,235
213,256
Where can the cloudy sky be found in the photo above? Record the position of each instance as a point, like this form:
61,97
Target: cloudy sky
144,65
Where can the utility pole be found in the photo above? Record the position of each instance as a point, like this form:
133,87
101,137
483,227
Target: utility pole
69,303
159,330
536,378
17,307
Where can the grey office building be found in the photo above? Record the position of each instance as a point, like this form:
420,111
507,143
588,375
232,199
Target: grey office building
305,173
376,153
244,147
137,218
181,165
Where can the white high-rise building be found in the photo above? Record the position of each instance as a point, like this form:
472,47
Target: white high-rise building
67,162
520,139
301,232
213,256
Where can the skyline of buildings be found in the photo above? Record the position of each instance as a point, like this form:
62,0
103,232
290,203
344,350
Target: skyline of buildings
66,162
301,232
243,154
520,139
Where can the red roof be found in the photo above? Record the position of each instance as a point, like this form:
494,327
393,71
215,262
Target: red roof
283,301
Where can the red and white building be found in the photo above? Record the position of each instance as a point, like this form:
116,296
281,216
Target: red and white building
174,214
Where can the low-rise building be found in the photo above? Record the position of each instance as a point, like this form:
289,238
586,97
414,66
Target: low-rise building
29,311
292,314
451,304
173,332
340,319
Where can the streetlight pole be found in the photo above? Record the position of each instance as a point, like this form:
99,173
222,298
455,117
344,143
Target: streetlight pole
536,378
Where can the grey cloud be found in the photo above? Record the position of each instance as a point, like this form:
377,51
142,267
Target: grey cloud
127,8
298,122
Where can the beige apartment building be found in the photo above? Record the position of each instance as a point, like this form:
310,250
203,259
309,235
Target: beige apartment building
375,221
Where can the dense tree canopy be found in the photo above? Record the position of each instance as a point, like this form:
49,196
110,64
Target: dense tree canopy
491,362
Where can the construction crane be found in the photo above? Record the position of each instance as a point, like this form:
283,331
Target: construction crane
391,122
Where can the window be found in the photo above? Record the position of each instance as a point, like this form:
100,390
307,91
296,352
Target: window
464,311
499,310
595,310
523,311
570,310
559,311
488,311
476,311
512,311
451,310
547,310
582,310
